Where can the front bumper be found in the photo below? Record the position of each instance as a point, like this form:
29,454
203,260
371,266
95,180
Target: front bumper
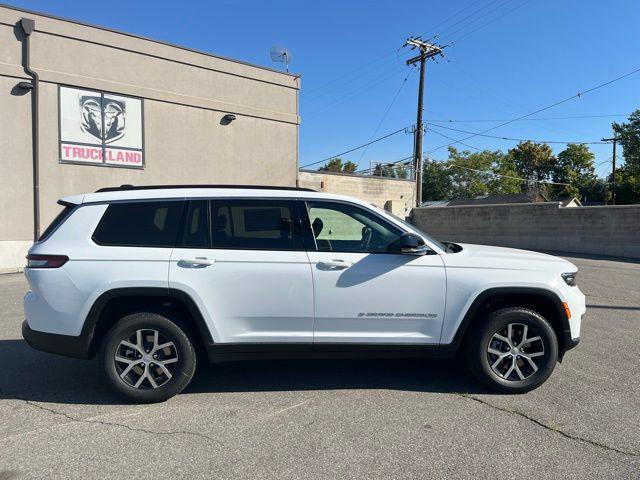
67,345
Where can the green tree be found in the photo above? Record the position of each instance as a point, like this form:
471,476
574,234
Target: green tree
333,165
596,191
336,165
349,167
534,161
437,183
471,172
628,176
574,167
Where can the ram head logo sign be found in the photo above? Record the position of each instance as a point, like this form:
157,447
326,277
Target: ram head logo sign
102,115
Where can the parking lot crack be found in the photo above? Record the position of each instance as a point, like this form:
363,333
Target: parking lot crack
120,425
551,428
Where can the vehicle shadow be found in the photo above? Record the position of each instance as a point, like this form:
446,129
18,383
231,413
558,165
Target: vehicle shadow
35,376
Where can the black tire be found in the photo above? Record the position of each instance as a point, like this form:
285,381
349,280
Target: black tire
181,354
482,338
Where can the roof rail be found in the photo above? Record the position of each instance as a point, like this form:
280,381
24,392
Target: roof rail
158,187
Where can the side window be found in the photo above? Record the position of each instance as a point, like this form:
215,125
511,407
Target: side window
197,231
60,218
140,224
252,225
341,227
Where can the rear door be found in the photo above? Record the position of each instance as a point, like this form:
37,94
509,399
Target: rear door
364,295
243,262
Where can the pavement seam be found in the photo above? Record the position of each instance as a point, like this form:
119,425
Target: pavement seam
121,425
550,427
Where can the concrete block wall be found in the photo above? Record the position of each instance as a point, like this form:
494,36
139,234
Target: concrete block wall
395,194
605,230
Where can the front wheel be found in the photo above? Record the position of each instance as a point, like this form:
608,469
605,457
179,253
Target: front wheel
148,358
514,351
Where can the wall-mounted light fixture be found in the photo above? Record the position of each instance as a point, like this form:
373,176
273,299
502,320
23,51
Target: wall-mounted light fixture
25,86
227,119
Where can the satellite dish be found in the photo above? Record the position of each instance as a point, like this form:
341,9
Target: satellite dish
281,54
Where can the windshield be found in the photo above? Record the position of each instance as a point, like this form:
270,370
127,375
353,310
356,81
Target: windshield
438,243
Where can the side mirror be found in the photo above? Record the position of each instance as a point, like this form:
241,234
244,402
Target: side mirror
409,244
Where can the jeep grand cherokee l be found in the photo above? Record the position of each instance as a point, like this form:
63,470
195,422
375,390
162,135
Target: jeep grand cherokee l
149,276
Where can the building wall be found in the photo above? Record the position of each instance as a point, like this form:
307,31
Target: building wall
396,195
606,230
185,95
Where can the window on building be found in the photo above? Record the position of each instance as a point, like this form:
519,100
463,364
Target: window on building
140,224
252,224
342,227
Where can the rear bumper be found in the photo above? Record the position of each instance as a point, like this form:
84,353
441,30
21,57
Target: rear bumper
67,345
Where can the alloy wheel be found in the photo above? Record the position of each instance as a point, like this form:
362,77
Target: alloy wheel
514,352
146,359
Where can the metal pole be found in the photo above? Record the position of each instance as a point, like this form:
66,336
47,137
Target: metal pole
614,140
28,27
427,50
613,174
419,134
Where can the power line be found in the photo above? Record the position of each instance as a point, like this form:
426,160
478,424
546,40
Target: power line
355,148
577,95
570,117
381,59
353,93
384,116
511,139
451,138
450,17
490,21
474,20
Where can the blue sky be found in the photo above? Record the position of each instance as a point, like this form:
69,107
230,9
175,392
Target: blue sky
509,58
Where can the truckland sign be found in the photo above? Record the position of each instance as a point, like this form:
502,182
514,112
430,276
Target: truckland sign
100,128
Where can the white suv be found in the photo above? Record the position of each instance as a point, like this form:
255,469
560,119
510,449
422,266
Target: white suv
149,276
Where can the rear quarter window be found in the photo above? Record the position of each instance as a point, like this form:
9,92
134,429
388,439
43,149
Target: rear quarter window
140,224
59,220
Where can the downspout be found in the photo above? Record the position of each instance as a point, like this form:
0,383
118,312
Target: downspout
28,27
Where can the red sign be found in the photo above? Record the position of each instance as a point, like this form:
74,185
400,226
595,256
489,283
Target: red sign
86,154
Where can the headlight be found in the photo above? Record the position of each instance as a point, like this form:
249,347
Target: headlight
570,278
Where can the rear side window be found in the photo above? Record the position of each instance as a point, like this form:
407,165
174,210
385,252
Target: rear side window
197,232
61,217
253,225
140,224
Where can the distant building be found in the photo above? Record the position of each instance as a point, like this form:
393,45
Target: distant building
571,202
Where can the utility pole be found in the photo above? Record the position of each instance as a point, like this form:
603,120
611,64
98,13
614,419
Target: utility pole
427,50
614,140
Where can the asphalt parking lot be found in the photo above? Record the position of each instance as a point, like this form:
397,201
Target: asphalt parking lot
335,419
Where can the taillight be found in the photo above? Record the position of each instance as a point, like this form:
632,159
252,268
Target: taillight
46,261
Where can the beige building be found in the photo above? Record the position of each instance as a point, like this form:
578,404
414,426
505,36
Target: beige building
114,108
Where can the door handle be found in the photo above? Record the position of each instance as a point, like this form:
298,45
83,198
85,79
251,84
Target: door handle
197,262
334,265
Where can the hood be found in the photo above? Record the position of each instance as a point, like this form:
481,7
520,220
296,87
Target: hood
508,258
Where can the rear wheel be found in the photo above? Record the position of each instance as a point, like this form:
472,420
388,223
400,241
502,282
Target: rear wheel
148,358
514,351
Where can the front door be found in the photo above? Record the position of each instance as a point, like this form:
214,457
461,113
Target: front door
244,265
364,294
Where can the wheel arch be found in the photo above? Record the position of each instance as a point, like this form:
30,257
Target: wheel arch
546,302
115,303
